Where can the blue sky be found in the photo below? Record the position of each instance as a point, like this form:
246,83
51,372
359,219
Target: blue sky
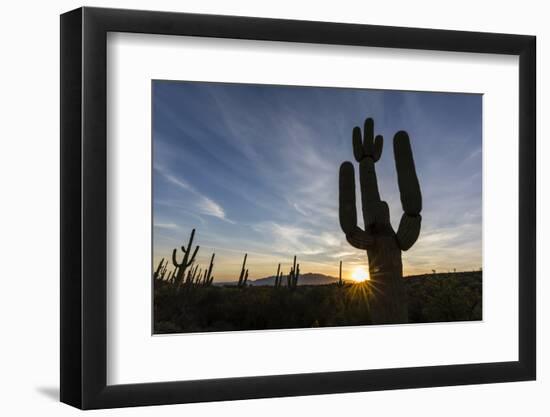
254,168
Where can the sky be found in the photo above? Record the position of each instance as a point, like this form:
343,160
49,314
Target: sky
254,169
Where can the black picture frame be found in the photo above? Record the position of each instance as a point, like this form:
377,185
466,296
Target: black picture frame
84,207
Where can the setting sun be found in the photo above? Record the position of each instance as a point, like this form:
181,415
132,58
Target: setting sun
359,274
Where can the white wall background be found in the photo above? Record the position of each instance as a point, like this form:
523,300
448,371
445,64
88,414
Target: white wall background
29,237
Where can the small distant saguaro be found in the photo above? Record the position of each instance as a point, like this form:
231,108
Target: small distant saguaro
188,259
340,281
294,275
243,276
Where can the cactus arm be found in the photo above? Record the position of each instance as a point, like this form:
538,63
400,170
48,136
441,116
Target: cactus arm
368,135
378,145
193,256
409,189
347,210
174,258
366,146
408,231
360,239
190,242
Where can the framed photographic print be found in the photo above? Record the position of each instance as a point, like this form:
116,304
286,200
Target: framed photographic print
258,208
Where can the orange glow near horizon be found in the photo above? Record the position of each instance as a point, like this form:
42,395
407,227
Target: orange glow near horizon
359,274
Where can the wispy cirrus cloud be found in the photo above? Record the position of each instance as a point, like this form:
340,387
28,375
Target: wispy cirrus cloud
202,203
171,226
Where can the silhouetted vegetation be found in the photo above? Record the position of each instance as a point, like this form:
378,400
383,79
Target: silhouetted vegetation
186,300
438,297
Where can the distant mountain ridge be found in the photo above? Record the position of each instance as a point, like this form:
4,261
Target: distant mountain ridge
310,278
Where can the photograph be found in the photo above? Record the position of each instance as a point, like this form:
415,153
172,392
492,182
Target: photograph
291,207
356,202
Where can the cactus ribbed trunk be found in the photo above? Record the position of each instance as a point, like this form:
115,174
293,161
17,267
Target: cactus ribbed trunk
388,305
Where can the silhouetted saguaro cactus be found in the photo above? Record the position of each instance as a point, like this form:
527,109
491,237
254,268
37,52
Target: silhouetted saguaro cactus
187,261
278,277
163,271
340,282
208,278
192,274
294,274
158,271
243,277
383,245
197,279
